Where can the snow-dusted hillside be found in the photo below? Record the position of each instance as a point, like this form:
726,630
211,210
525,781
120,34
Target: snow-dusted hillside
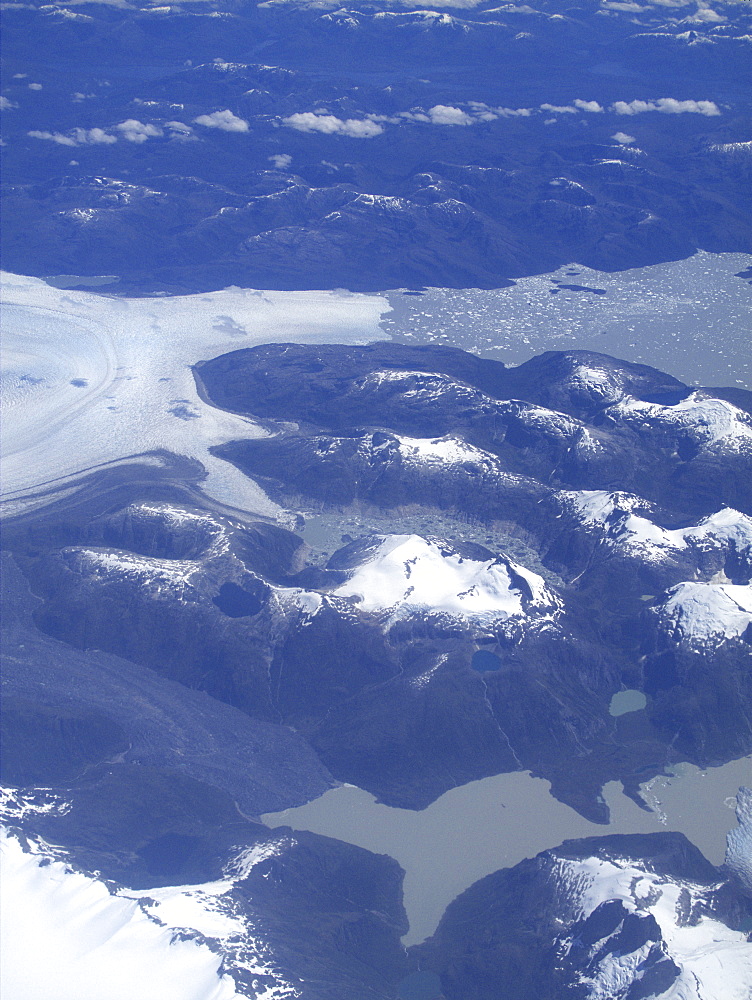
610,517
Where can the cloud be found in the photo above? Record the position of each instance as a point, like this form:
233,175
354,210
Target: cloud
705,15
593,106
281,160
94,136
35,86
76,137
559,108
224,120
668,105
58,137
513,112
623,139
136,131
6,104
309,121
445,114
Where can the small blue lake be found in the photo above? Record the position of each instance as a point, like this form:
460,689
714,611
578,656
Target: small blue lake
484,661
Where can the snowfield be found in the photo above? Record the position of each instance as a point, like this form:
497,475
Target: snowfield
69,936
418,572
65,936
89,380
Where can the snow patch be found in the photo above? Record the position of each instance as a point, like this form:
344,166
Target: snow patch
446,450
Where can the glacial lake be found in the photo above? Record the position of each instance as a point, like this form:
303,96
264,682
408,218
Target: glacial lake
627,701
496,822
690,318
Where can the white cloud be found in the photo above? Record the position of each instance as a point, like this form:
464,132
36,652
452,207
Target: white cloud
224,120
593,106
136,131
95,136
673,107
623,138
559,108
513,112
78,96
445,114
77,137
668,105
35,86
705,15
6,104
309,121
281,160
20,76
390,119
58,137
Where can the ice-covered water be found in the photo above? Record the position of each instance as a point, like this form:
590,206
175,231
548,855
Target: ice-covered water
691,318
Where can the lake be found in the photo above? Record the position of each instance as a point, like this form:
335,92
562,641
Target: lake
496,822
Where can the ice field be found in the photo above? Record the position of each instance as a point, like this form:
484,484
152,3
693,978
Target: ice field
89,380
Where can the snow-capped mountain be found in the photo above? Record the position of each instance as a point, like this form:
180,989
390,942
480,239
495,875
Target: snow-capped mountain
699,613
405,571
472,560
607,919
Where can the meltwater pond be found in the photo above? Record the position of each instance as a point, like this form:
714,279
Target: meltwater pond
477,828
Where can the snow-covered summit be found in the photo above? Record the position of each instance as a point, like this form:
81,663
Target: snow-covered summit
701,614
402,570
77,937
704,959
709,422
620,521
